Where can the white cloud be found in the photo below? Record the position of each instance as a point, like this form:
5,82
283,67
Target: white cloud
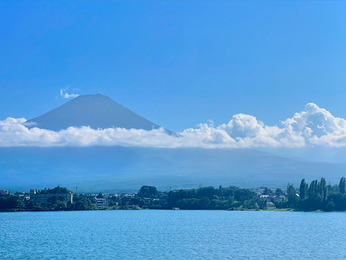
310,128
66,95
318,126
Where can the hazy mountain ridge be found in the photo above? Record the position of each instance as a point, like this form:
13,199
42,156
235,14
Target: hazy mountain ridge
127,168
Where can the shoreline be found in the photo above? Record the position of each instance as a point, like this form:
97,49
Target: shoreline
140,209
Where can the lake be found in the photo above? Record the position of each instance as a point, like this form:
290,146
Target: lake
154,234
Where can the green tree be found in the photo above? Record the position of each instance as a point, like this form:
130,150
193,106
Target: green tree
330,206
323,189
279,192
303,190
100,196
10,203
244,194
313,189
148,192
291,195
342,185
267,191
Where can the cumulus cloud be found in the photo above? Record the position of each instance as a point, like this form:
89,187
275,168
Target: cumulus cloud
66,95
314,126
318,126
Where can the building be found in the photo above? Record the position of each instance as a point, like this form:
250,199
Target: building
101,202
4,192
44,198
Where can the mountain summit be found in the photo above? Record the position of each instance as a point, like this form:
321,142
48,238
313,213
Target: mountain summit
96,111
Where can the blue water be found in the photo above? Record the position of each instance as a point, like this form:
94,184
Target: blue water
172,235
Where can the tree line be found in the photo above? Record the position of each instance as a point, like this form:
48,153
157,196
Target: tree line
318,195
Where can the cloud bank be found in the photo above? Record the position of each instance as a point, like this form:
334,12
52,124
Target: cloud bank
312,127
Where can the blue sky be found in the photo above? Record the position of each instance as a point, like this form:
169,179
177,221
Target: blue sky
176,63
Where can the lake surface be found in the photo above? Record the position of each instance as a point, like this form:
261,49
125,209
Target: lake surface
150,234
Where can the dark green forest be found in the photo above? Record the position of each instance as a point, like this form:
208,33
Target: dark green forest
316,196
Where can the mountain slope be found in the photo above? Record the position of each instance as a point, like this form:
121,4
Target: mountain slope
96,111
128,168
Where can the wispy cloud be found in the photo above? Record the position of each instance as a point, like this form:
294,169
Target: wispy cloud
312,127
66,95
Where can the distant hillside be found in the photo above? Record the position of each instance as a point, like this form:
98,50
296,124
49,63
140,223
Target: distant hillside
96,111
128,168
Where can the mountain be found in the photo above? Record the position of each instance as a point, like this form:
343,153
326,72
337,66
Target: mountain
116,168
112,169
96,111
